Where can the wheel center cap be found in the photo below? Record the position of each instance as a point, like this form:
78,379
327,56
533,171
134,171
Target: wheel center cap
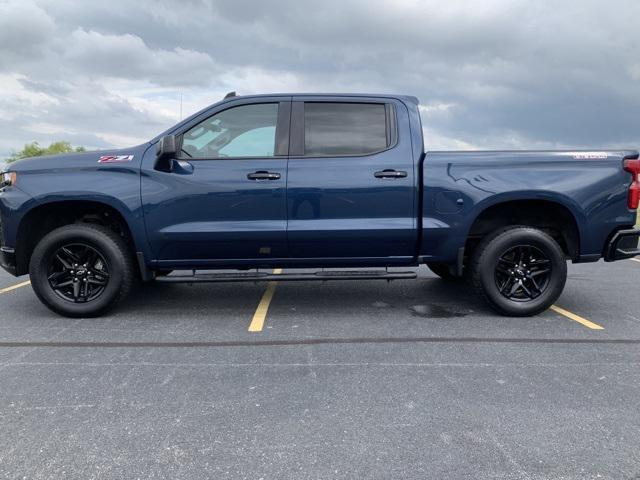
81,272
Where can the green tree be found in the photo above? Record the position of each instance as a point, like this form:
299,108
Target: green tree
34,149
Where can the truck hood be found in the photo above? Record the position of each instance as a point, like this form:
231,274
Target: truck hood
123,156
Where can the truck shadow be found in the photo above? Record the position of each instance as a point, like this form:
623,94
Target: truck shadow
424,298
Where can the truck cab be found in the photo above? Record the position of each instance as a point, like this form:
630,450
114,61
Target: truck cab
285,181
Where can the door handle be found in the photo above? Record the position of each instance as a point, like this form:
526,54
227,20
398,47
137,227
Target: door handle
390,173
263,175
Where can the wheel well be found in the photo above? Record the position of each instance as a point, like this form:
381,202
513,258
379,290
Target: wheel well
45,218
551,217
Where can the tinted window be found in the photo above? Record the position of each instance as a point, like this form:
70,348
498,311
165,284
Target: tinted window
245,131
344,128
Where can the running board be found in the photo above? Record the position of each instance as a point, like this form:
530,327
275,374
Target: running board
287,277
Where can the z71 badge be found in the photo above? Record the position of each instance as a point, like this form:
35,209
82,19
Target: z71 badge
115,158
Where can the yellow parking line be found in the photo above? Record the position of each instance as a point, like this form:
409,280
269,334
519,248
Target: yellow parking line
635,259
576,318
13,287
257,322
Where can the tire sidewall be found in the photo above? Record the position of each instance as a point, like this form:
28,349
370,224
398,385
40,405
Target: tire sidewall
509,239
46,248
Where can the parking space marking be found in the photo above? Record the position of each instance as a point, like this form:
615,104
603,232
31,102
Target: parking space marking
13,287
257,322
576,318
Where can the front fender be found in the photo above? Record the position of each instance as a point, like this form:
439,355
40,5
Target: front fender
114,185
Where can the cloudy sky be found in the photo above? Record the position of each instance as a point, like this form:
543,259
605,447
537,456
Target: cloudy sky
489,74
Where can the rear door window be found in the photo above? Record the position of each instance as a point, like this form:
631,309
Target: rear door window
335,129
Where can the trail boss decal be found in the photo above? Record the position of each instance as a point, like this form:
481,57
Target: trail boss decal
115,158
589,155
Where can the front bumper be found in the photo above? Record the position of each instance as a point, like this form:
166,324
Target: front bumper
623,244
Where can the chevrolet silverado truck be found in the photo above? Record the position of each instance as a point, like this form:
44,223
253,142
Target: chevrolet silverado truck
313,182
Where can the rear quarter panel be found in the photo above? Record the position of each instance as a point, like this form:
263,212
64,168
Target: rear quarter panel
593,189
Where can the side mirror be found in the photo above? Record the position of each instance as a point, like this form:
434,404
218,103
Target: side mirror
165,153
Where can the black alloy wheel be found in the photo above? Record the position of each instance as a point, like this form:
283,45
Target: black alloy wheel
522,273
82,270
78,273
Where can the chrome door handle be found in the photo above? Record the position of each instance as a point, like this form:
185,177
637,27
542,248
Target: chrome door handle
390,173
263,175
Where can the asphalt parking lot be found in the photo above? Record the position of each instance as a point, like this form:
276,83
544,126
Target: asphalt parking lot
412,379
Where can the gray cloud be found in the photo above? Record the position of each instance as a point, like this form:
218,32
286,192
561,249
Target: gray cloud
127,56
496,74
25,30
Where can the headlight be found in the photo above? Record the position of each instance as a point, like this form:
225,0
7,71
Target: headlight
8,179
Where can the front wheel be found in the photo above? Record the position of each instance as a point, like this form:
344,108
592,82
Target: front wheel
81,270
519,271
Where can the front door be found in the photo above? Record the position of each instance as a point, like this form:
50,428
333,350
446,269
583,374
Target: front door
351,181
226,196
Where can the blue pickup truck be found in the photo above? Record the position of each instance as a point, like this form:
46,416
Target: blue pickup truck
308,181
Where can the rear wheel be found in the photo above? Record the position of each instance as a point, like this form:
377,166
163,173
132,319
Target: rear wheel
519,271
81,270
443,271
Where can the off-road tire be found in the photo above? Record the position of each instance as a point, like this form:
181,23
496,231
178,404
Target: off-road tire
111,246
484,266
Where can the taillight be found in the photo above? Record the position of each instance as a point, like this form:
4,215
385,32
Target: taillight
633,167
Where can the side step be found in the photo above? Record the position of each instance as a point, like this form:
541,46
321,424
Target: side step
288,277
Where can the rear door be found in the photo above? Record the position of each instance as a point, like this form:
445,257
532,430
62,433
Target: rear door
226,197
351,179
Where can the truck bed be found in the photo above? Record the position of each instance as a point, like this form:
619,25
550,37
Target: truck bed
591,186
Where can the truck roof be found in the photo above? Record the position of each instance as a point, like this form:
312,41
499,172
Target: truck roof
406,98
